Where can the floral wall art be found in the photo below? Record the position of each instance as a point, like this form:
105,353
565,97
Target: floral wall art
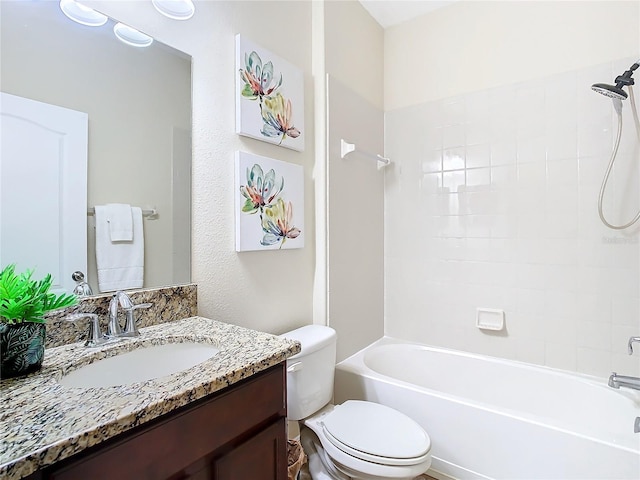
269,204
269,97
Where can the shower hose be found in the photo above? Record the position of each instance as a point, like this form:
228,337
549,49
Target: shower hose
614,153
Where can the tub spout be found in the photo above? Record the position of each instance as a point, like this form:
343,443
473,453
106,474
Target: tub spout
617,381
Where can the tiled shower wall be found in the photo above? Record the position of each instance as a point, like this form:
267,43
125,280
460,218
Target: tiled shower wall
491,202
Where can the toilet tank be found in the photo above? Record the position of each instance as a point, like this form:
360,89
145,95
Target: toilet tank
310,372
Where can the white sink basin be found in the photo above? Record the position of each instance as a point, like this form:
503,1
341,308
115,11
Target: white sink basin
140,365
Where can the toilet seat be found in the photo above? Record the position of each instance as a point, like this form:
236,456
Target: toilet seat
352,460
376,433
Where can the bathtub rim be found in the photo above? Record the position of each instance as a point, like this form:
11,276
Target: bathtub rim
356,364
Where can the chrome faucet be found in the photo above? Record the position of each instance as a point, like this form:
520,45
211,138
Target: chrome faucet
123,300
632,340
617,381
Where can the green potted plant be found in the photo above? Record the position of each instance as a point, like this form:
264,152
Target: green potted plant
23,305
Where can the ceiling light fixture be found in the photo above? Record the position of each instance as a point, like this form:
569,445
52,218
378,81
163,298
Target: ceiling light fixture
131,36
81,14
175,9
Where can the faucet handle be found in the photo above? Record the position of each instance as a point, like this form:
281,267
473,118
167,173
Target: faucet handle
131,327
632,340
95,336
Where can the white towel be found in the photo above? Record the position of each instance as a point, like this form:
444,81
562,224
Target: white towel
120,264
120,222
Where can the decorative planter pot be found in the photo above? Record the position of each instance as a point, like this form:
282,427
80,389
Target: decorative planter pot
21,348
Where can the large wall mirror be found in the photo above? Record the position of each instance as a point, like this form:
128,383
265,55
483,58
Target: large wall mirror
138,102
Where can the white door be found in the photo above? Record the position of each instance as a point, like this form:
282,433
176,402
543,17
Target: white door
43,189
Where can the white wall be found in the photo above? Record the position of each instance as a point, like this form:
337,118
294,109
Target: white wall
500,147
270,291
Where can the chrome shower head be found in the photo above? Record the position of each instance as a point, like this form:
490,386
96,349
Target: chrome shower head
611,91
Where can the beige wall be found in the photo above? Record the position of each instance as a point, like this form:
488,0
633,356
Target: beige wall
471,45
270,291
352,54
354,49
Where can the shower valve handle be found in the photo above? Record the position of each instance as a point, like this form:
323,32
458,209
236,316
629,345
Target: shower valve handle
632,340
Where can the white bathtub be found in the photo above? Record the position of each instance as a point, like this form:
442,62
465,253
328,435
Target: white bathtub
500,419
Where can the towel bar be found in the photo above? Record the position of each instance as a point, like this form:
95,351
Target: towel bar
146,212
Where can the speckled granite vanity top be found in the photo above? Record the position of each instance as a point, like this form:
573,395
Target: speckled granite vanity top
43,422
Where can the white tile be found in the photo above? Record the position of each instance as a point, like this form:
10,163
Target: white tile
478,155
596,138
453,180
559,355
562,173
625,364
477,106
504,176
562,143
479,226
561,305
530,351
592,361
504,226
530,302
477,133
477,177
453,158
432,161
561,226
532,150
594,307
453,136
532,226
625,311
560,251
532,175
620,335
563,278
594,335
503,152
561,199
431,183
530,201
432,138
526,238
452,111
531,276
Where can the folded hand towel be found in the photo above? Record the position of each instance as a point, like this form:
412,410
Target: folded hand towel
120,264
120,222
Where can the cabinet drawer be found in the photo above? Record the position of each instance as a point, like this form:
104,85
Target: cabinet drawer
179,439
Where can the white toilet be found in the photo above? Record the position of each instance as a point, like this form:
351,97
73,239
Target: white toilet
361,440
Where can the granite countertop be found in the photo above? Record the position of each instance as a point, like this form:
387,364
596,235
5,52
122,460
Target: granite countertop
43,422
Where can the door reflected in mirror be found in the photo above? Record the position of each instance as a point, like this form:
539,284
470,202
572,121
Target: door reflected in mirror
138,102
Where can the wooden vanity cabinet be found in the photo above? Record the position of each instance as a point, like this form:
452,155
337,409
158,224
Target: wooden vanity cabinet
238,433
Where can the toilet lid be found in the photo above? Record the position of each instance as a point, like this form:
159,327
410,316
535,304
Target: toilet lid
369,429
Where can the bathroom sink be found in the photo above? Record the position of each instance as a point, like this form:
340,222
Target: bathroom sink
142,364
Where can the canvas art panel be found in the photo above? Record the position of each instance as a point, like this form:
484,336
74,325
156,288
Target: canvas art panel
269,206
269,96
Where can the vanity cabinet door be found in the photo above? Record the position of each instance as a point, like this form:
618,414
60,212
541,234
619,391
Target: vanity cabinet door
262,457
235,431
